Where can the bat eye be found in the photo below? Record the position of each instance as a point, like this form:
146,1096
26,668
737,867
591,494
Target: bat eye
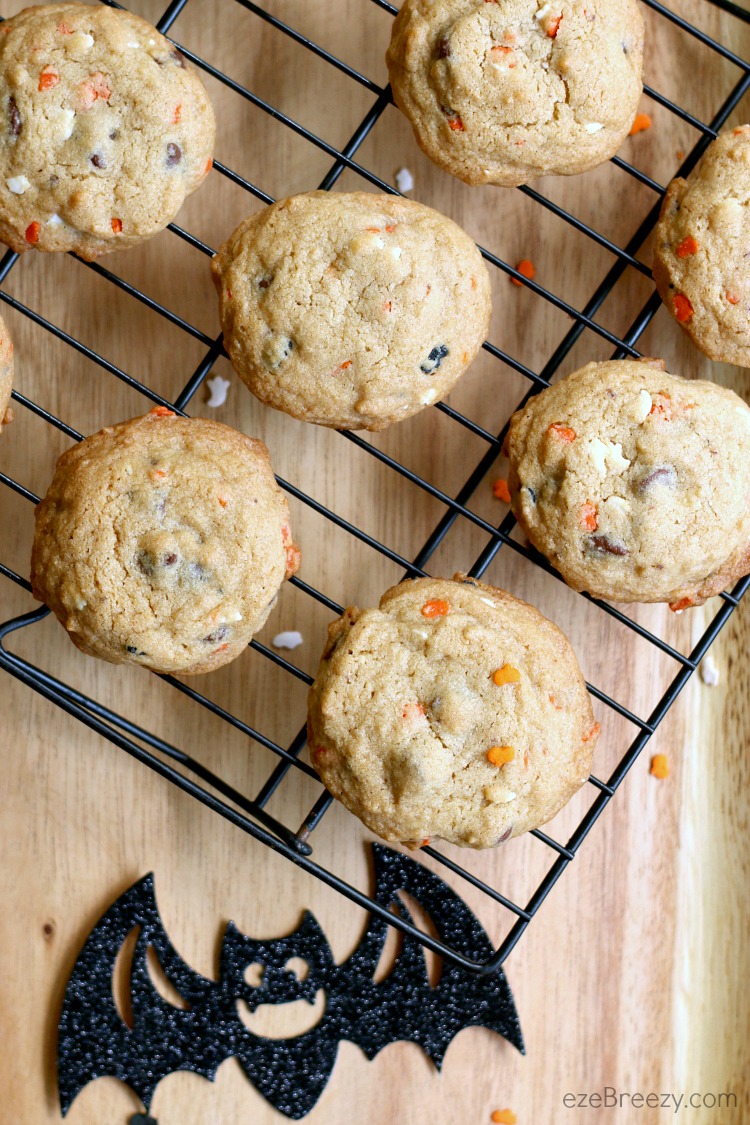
299,967
254,974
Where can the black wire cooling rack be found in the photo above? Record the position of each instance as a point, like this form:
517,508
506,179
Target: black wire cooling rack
177,766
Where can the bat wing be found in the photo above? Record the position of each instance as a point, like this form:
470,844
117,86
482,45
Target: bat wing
93,1038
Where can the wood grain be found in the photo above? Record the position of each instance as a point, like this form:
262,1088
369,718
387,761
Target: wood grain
632,974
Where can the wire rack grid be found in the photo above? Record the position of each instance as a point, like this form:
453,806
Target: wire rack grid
180,768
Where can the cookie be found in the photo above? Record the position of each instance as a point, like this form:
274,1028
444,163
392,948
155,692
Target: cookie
163,542
504,91
105,129
351,310
701,246
453,710
6,375
635,483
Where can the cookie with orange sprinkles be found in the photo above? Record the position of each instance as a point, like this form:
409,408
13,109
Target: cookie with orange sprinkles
453,710
105,129
163,542
702,250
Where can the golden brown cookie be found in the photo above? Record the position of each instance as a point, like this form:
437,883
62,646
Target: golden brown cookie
104,130
6,375
702,250
452,710
504,91
163,542
635,483
351,310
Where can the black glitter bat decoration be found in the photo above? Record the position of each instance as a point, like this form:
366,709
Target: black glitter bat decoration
290,1073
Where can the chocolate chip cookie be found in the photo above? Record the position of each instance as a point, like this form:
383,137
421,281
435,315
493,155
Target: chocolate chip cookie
635,483
163,542
452,710
104,130
702,250
351,310
503,91
6,375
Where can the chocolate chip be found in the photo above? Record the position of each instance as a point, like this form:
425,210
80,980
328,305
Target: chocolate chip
434,359
98,160
219,634
174,155
114,134
54,180
132,649
665,475
609,546
195,570
146,563
443,49
505,835
264,282
15,117
532,493
170,560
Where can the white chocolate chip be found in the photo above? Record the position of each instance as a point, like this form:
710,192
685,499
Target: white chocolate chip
421,633
643,406
543,12
603,452
81,603
290,639
64,120
55,221
218,388
236,616
18,184
709,671
489,601
395,252
81,40
616,506
498,793
404,180
369,241
593,126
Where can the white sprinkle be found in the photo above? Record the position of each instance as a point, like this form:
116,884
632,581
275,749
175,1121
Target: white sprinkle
395,252
236,616
81,603
218,388
422,634
404,180
709,671
152,42
55,221
18,184
593,126
133,44
429,396
291,639
543,12
502,68
643,406
489,601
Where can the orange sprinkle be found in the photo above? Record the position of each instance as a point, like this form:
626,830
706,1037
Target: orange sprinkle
162,411
640,124
587,516
504,52
500,755
687,247
504,1117
387,306
593,733
222,501
659,766
525,759
32,232
342,367
373,230
48,78
554,26
465,357
158,473
473,283
435,608
554,703
456,124
117,226
221,648
732,298
412,711
526,268
390,227
565,433
506,675
177,115
209,166
683,310
63,29
662,407
683,603
501,491
293,558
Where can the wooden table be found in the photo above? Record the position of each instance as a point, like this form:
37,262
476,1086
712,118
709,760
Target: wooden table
632,975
